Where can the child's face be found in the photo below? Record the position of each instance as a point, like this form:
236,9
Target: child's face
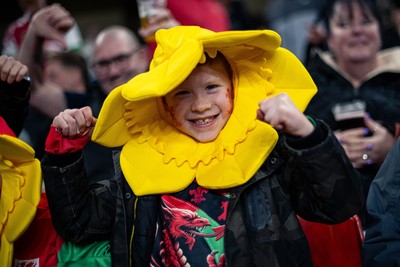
202,104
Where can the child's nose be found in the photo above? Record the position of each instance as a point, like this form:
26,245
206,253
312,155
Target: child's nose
201,103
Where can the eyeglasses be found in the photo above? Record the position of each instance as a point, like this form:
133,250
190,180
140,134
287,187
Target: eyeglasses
118,60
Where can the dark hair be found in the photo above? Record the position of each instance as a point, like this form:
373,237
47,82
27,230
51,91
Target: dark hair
73,60
367,6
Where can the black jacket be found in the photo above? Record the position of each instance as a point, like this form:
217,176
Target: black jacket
317,183
382,235
380,91
14,104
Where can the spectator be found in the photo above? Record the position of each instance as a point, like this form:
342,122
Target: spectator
117,57
67,73
195,129
386,12
20,175
353,70
27,234
382,234
16,30
59,79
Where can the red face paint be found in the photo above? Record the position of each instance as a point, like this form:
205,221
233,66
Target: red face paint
230,98
170,111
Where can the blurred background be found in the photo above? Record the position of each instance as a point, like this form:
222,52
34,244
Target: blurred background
90,15
289,17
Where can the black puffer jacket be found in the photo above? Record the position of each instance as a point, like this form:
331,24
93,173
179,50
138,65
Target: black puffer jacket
317,183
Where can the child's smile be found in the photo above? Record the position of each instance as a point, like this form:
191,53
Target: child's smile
204,122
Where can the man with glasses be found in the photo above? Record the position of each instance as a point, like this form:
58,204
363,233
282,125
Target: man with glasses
59,76
117,57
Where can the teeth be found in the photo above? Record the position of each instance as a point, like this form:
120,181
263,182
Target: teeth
205,121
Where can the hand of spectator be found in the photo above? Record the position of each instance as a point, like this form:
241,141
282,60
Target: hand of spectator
75,122
363,149
52,22
11,70
163,19
282,114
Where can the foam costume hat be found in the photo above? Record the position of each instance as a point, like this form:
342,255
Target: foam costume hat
21,186
158,158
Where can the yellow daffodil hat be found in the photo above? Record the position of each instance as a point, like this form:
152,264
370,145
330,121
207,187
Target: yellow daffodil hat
20,176
156,157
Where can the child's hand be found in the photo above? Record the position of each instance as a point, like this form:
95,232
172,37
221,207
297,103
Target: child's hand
75,122
282,114
71,131
11,70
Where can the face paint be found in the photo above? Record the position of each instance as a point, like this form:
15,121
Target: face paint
229,96
170,112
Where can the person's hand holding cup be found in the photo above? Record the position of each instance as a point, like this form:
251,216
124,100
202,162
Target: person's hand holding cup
154,15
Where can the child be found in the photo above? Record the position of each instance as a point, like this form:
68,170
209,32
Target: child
217,160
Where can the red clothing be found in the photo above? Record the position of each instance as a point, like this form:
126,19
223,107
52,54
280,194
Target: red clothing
208,14
14,35
4,128
39,244
16,31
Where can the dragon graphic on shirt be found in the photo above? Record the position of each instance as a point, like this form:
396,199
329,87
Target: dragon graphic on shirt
187,224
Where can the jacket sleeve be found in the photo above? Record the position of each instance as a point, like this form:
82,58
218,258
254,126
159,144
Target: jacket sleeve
14,107
81,212
322,183
382,234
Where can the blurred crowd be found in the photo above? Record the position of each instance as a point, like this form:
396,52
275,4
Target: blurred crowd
351,50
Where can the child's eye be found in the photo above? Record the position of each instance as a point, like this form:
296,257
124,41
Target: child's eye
212,86
182,92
